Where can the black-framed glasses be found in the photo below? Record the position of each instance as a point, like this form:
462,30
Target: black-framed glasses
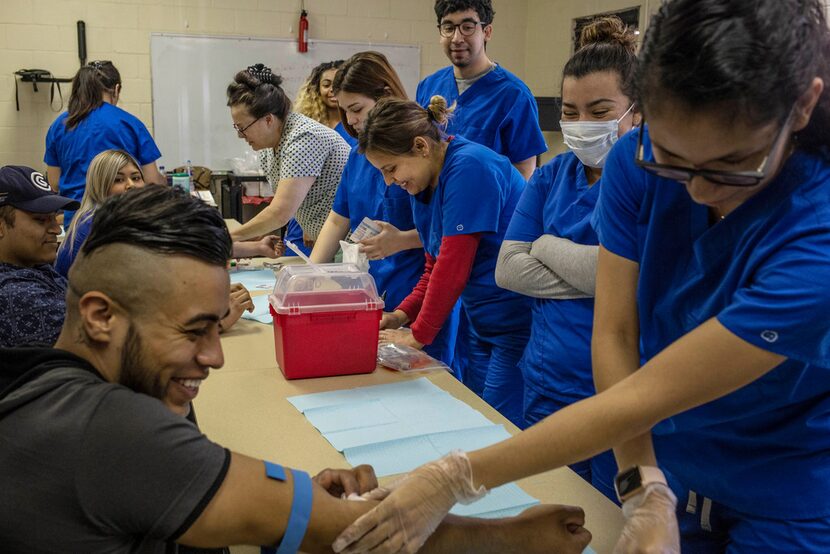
241,130
466,28
729,178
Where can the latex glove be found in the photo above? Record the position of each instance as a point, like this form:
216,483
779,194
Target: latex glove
650,523
393,320
240,301
385,243
406,518
345,482
400,336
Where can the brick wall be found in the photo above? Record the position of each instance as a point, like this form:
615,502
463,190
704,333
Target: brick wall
41,34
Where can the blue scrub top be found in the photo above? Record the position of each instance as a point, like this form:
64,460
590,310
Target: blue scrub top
477,192
363,193
67,255
497,111
345,134
764,272
106,127
558,201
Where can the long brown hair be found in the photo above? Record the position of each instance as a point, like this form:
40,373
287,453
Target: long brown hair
370,74
88,88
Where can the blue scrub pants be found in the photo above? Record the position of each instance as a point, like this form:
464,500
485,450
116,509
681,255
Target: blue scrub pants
491,370
708,527
599,470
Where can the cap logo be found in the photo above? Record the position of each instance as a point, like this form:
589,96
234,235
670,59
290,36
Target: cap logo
40,182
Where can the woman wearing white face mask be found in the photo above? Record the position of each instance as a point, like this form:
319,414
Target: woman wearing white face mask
550,249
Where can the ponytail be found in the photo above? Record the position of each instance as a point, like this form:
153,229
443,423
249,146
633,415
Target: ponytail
88,88
393,124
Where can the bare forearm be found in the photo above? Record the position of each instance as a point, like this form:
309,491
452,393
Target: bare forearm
409,240
526,167
518,270
271,218
334,230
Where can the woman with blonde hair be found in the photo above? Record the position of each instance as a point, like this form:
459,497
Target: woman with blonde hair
316,99
111,172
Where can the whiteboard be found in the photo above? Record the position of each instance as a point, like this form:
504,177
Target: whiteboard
191,73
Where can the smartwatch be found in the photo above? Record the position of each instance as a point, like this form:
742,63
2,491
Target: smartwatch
634,480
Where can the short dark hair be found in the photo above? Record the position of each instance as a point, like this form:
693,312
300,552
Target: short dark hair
484,8
747,58
163,220
7,215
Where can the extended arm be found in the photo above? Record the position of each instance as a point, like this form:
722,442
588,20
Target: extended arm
334,230
290,194
152,175
249,508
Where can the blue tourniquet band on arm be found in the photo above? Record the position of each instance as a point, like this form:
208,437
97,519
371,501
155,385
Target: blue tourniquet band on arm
300,509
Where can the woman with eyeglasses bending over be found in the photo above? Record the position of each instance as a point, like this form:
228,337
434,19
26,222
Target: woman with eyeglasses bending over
93,123
302,158
714,226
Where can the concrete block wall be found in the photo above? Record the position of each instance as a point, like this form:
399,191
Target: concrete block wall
41,34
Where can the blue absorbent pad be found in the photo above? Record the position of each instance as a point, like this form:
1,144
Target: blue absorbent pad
261,312
506,497
403,455
388,391
255,280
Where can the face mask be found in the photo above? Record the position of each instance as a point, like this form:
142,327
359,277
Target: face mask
591,141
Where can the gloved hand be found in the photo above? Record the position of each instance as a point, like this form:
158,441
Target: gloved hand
414,507
650,523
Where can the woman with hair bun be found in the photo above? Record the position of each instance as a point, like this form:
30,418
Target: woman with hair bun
711,341
462,196
301,158
93,123
550,249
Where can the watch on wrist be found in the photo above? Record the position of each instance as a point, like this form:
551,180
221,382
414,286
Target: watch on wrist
634,480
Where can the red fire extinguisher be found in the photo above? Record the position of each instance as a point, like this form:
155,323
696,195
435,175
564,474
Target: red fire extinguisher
303,35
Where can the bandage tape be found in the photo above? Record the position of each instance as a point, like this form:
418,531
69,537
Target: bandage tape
300,509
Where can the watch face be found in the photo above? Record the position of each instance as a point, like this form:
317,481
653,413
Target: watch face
628,481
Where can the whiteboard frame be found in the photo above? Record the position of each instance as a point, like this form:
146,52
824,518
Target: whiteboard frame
172,148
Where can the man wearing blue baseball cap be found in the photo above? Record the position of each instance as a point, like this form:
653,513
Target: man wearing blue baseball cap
32,293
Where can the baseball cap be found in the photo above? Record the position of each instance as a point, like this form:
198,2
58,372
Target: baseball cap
27,189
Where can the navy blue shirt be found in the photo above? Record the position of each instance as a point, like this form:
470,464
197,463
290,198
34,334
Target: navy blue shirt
498,111
32,305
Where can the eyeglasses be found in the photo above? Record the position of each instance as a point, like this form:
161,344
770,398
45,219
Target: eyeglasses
467,28
729,178
98,64
241,130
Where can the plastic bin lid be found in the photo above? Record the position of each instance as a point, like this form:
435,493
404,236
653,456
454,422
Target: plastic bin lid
304,288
